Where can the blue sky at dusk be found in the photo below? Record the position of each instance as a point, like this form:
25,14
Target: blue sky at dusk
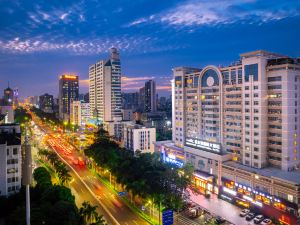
40,40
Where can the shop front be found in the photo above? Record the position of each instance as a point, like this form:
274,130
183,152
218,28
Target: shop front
204,183
271,206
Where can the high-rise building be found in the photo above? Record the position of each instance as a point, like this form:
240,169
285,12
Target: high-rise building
46,103
130,100
150,96
10,159
105,88
68,92
250,109
239,127
141,99
8,96
80,113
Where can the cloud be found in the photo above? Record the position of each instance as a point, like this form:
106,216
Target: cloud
135,83
210,13
141,21
84,83
80,47
63,16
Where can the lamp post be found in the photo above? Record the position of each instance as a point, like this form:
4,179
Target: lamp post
27,173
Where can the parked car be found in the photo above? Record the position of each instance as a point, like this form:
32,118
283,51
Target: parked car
266,222
244,212
258,219
250,216
220,220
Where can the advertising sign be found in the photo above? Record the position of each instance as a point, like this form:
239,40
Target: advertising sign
200,144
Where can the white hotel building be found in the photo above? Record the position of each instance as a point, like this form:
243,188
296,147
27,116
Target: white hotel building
245,116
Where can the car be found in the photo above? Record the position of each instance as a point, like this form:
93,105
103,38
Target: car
250,216
220,220
266,222
244,212
258,219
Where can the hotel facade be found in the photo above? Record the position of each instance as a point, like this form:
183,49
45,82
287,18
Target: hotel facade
243,118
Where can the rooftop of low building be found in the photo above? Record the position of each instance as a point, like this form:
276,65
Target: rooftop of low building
272,172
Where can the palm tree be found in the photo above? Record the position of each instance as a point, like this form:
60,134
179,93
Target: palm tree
99,221
88,213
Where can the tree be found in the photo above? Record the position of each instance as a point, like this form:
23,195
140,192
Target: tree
63,213
42,177
99,221
88,213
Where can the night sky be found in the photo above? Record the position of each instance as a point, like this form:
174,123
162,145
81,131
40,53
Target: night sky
40,40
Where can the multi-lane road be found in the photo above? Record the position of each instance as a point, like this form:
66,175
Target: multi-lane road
84,185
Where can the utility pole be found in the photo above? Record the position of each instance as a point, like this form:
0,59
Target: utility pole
27,172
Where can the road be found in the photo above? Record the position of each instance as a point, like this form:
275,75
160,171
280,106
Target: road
85,186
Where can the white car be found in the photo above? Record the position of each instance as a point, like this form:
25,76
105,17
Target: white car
258,219
244,212
266,222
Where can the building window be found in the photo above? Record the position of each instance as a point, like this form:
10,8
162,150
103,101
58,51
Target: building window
251,70
7,151
255,156
15,151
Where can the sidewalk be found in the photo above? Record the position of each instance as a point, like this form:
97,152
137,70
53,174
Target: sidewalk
219,207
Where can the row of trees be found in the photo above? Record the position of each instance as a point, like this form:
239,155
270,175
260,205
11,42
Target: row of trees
48,116
50,205
21,115
59,167
144,175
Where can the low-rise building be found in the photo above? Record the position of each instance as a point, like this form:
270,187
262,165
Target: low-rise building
10,159
8,112
79,113
170,153
139,138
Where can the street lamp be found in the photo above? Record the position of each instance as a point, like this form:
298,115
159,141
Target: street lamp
65,124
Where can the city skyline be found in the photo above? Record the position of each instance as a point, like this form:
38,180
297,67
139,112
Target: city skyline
61,38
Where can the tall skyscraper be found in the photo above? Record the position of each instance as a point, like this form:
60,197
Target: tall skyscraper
105,88
68,92
150,96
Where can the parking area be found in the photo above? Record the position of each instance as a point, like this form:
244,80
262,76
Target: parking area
215,207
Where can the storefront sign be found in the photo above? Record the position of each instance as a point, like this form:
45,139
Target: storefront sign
209,146
173,160
231,192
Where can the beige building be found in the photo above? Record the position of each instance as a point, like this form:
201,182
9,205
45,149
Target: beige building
240,127
250,109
